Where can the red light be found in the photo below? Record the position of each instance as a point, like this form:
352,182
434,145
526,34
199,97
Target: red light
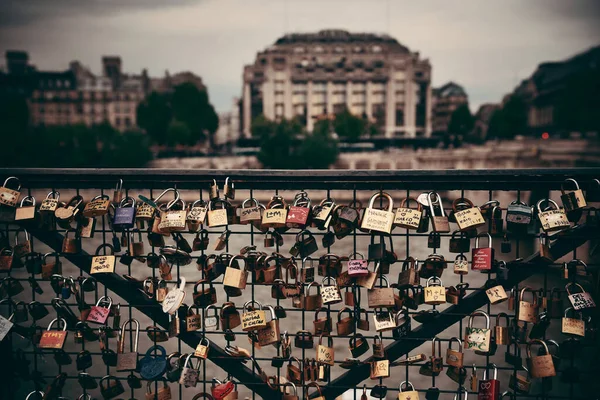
545,135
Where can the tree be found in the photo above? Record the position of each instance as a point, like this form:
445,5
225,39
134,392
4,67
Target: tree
461,121
577,108
191,106
285,145
178,132
510,120
348,126
154,115
14,123
188,105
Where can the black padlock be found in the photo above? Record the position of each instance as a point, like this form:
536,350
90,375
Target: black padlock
83,360
280,312
86,381
376,250
134,381
460,244
33,263
328,239
432,393
109,357
434,240
62,357
539,328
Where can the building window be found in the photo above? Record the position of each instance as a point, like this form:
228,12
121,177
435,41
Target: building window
318,49
127,122
376,49
299,50
279,111
279,61
118,121
399,117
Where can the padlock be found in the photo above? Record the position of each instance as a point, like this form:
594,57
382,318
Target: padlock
37,310
379,369
193,320
163,393
190,374
581,300
211,322
403,324
460,244
236,276
482,257
527,312
293,394
378,348
124,215
469,216
489,389
540,366
357,266
322,325
440,222
100,312
304,340
217,217
103,263
22,248
200,241
253,317
362,323
496,222
49,205
461,265
570,325
379,220
311,302
83,360
127,361
54,339
275,215
10,197
518,217
270,333
305,245
71,245
322,214
495,292
520,384
379,391
553,218
409,275
325,353
433,265
294,373
111,387
26,213
406,391
205,296
97,207
455,293
434,292
358,345
298,214
406,217
572,199
345,326
454,358
154,364
196,215
433,240
384,320
382,296
478,339
136,249
174,217
502,333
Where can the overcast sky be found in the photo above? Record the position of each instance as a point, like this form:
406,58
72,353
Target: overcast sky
485,45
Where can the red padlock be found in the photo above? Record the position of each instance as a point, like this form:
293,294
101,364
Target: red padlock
482,257
489,389
220,390
297,216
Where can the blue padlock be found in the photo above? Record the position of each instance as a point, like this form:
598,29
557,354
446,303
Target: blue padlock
66,288
152,367
124,215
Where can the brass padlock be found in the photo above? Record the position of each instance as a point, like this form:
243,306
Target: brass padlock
379,220
553,218
440,222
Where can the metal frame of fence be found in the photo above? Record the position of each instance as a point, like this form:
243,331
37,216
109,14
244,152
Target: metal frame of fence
400,184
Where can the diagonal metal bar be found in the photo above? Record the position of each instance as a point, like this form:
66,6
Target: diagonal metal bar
122,288
529,266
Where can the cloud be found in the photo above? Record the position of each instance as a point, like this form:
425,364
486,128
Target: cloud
486,46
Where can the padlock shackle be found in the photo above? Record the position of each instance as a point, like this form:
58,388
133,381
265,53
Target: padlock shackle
439,343
127,200
432,199
58,321
316,385
483,234
406,384
250,303
136,338
495,371
10,178
479,313
568,180
343,310
455,339
461,201
538,342
548,203
104,300
405,203
329,339
382,194
171,203
575,311
55,195
17,235
252,199
434,279
105,245
502,315
31,200
533,294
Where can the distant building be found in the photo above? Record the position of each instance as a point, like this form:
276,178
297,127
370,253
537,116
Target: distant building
545,89
229,125
446,99
78,96
313,75
482,120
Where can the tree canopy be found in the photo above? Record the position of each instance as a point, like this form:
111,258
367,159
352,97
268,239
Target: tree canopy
286,145
510,120
186,105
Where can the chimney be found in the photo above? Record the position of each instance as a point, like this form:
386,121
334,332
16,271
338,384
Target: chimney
111,68
16,61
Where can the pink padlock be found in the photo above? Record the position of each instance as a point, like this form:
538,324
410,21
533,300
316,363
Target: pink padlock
100,312
357,266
